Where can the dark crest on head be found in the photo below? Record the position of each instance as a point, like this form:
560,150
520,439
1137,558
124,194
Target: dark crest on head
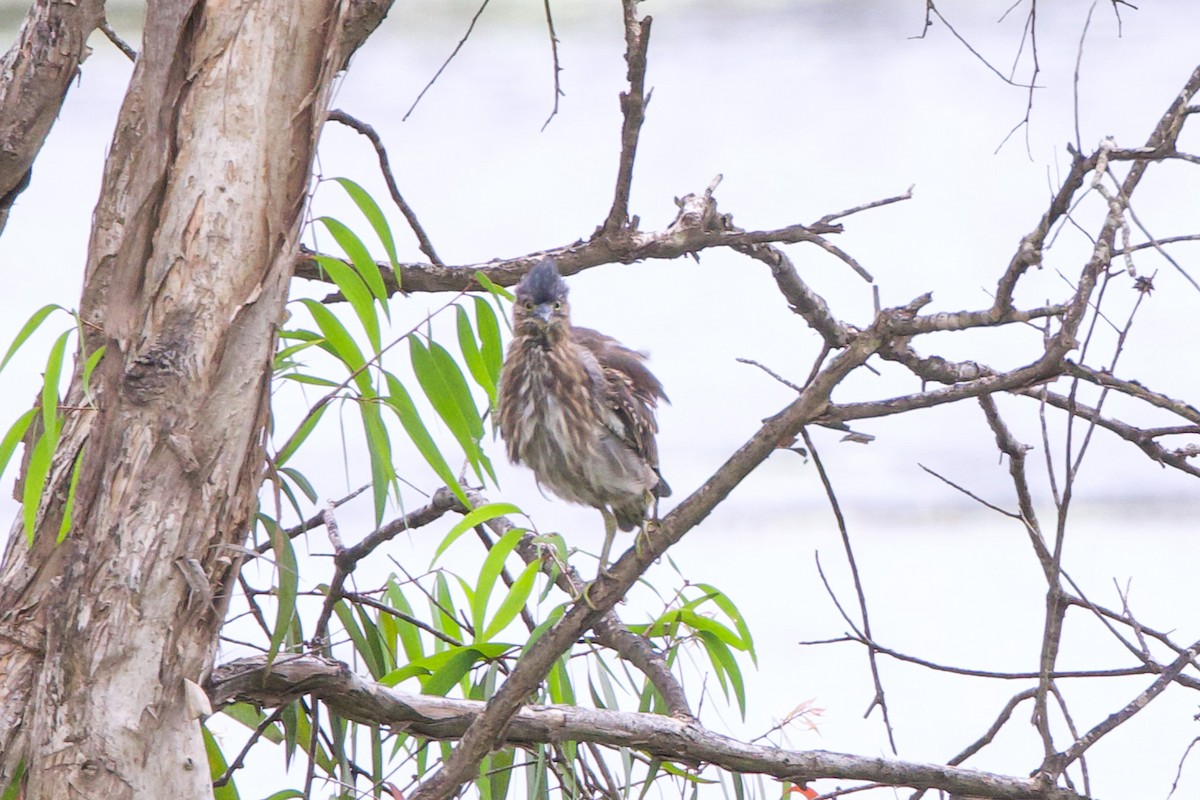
543,284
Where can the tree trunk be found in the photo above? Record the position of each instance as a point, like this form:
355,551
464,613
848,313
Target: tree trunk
192,248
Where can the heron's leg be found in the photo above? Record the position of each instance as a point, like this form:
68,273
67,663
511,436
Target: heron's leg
610,533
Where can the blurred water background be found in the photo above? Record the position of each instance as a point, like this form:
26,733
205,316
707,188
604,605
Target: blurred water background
805,108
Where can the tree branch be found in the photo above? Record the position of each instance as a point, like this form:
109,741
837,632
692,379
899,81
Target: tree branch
38,70
252,680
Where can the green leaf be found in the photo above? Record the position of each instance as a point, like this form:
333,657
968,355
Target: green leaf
379,661
491,286
739,622
489,336
89,367
356,293
286,587
500,774
409,634
514,601
50,383
472,356
379,448
285,794
457,384
341,343
284,354
698,622
559,683
69,505
448,394
537,776
15,789
651,773
217,766
36,473
293,720
554,616
300,480
357,637
251,718
370,209
436,661
359,256
475,517
400,401
724,663
301,435
610,696
448,676
31,325
489,573
443,609
13,437
312,380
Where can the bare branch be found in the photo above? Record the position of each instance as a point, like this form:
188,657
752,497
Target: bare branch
250,680
1164,680
38,70
879,699
114,37
366,130
558,92
633,108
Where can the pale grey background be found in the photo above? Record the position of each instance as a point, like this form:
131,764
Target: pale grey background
806,108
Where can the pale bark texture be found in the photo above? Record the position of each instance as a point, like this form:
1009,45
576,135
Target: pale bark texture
192,248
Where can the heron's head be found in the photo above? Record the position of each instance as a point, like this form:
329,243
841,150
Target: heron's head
541,307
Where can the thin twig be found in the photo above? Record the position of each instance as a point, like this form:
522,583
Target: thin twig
880,699
114,37
969,493
366,130
558,92
240,761
446,63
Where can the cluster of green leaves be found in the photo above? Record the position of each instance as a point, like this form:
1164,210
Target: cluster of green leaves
41,426
376,390
446,635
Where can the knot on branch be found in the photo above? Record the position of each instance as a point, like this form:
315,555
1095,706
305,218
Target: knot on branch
160,365
699,212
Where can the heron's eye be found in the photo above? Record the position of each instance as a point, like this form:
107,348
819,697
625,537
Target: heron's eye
529,305
557,305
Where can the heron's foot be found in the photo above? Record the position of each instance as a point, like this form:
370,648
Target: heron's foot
641,539
583,595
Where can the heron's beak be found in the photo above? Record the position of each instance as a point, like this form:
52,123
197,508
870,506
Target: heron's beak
543,313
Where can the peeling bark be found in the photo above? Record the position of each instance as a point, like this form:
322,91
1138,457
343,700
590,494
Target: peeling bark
191,253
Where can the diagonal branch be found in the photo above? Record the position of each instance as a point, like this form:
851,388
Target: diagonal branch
610,631
535,663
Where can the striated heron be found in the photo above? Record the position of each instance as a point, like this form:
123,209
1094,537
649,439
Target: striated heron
577,407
